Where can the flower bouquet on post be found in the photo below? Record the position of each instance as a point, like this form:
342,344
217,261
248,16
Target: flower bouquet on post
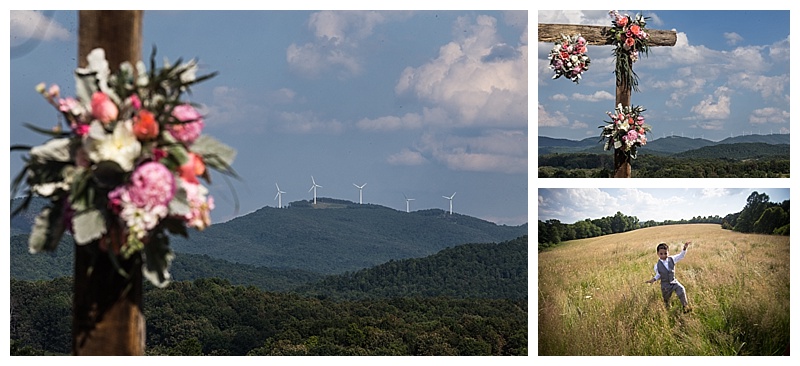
629,37
124,172
626,131
569,58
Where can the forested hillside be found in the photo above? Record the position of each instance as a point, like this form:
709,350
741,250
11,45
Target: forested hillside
339,236
465,271
213,317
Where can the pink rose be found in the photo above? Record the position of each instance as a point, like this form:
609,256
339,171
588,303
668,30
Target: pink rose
103,108
630,42
190,125
632,135
152,185
622,21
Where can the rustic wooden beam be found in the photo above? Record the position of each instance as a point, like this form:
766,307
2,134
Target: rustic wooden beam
107,316
596,34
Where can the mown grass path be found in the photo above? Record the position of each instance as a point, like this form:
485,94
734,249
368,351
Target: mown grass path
593,299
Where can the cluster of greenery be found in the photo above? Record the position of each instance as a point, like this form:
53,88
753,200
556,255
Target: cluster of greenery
465,271
760,216
213,317
704,164
553,231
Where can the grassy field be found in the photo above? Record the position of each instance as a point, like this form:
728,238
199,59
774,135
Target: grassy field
593,299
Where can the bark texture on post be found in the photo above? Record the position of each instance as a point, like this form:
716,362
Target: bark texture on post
107,306
595,34
118,32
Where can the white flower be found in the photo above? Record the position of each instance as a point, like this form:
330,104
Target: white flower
121,146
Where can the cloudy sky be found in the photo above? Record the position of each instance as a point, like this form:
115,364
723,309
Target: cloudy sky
570,205
421,103
728,74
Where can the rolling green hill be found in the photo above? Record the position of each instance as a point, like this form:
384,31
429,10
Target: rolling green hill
466,271
342,237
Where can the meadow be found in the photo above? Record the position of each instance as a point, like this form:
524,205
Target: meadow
593,299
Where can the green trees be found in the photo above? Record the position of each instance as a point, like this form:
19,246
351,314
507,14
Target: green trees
760,216
213,317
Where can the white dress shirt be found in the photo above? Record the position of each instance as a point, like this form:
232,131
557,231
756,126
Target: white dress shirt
675,259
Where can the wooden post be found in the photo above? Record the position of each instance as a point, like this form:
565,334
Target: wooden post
107,306
596,35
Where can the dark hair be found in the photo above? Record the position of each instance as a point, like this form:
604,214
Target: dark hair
662,245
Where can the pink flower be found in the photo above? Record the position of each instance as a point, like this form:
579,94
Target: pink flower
152,185
630,41
135,102
632,135
103,108
200,205
191,124
635,29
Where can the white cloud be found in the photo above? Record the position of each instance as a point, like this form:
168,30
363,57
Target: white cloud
769,115
407,157
768,86
779,51
391,123
26,24
308,122
477,78
497,151
732,38
589,17
559,97
597,96
710,109
338,35
715,192
546,119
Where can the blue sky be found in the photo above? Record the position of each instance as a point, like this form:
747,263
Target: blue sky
570,205
422,103
727,75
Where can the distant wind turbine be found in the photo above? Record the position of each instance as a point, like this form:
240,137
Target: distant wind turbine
451,201
278,196
360,189
314,186
407,200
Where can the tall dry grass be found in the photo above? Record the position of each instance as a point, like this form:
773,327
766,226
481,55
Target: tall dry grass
593,299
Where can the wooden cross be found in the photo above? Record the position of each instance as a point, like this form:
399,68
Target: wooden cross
107,318
596,35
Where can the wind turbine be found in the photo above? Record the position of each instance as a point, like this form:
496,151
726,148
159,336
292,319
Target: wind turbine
451,201
314,186
360,188
278,196
407,200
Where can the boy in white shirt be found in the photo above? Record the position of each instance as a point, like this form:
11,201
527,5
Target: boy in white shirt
665,270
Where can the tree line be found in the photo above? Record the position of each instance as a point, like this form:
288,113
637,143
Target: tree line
654,166
758,216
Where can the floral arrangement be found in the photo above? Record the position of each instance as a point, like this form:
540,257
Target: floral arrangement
568,58
626,130
125,172
629,37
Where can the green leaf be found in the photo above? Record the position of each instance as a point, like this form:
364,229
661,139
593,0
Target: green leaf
88,225
215,154
53,150
179,205
158,258
48,228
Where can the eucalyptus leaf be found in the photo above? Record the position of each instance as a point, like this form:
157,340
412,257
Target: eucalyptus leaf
207,146
87,226
53,150
48,228
179,205
158,258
